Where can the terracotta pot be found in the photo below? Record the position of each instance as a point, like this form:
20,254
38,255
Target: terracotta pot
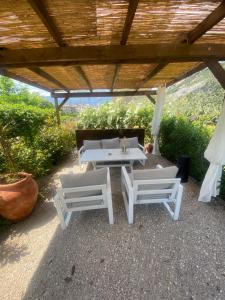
18,199
148,148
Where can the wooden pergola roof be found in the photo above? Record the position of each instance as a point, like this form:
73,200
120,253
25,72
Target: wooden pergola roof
110,44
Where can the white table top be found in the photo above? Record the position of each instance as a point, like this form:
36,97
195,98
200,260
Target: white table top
97,155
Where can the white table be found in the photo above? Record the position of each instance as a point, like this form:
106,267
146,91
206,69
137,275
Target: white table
112,157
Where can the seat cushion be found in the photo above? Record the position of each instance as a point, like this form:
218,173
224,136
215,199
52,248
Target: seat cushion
95,144
111,143
132,142
151,174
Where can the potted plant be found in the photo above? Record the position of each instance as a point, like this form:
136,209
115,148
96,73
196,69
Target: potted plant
18,190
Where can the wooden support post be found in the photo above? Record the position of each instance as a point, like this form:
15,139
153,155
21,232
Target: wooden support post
57,111
218,71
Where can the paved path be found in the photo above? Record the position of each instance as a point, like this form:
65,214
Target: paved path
155,258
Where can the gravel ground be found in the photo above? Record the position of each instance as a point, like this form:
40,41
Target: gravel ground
156,258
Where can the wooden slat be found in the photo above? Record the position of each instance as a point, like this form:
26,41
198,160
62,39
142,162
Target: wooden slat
40,9
83,76
113,54
115,76
129,19
215,17
199,68
104,94
11,75
218,71
48,77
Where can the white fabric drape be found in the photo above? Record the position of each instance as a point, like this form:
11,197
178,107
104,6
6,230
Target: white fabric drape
161,95
215,154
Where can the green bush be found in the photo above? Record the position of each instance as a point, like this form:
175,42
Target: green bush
58,142
36,141
23,120
180,136
118,114
30,159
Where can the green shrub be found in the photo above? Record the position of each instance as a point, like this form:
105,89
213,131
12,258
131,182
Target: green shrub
22,120
57,142
180,136
36,141
30,159
118,114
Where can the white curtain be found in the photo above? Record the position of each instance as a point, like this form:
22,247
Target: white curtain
161,95
215,154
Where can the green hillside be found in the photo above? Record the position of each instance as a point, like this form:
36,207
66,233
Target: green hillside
197,95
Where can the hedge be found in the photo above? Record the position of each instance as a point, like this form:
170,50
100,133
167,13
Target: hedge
178,135
36,141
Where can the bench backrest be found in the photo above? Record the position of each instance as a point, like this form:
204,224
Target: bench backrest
99,134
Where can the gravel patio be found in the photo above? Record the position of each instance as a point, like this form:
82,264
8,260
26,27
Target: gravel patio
156,258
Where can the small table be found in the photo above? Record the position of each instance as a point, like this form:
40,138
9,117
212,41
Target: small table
112,157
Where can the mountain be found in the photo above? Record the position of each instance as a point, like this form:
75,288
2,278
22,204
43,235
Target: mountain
199,94
84,101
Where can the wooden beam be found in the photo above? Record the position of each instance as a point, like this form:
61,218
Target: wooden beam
152,73
129,20
11,75
151,99
63,102
40,8
113,54
115,76
211,20
57,111
48,77
215,17
199,68
104,94
126,30
218,71
83,76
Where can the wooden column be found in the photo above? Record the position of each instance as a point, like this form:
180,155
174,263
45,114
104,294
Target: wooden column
57,111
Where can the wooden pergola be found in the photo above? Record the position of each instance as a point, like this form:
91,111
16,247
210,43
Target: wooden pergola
73,48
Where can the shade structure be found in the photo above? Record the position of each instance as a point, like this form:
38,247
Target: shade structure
109,45
161,95
215,154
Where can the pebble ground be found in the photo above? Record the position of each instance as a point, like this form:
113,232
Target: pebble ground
155,258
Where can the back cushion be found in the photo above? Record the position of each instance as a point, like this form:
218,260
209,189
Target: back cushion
96,177
151,174
88,144
133,142
111,143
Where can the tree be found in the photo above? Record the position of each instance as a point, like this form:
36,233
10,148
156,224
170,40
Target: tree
7,86
11,92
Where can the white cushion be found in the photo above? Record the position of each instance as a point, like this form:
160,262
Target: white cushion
95,144
111,143
151,174
133,142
